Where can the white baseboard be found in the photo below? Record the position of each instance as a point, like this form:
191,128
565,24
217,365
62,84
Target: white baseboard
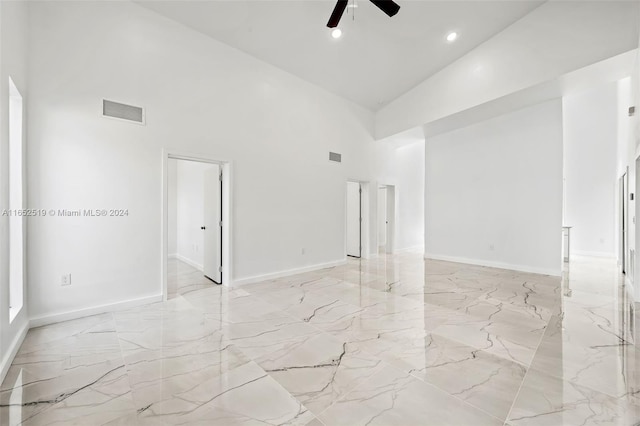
605,255
172,256
274,275
70,315
499,265
13,350
189,262
411,248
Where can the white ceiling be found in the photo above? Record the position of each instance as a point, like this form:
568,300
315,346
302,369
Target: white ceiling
377,59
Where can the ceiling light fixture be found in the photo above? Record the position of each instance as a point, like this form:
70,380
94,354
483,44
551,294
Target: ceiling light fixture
336,33
452,36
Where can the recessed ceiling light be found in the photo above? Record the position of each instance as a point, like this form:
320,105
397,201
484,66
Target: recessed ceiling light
452,36
337,33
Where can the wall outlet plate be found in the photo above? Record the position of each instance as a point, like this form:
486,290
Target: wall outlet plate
65,280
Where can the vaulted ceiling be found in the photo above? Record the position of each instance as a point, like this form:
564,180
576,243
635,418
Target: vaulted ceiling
376,60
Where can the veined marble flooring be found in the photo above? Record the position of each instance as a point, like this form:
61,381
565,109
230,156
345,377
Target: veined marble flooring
183,278
394,340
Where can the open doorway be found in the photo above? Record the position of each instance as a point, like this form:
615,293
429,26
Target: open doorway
194,240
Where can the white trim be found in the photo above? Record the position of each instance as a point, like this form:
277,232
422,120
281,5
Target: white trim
80,313
604,254
499,265
187,261
173,256
13,350
288,272
411,248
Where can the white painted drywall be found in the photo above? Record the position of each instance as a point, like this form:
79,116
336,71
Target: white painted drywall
493,191
201,96
590,126
410,194
400,162
13,63
554,39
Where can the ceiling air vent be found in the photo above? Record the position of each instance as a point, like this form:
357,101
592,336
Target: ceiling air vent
122,111
334,156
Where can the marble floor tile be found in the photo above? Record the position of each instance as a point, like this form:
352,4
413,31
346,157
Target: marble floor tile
321,370
477,377
392,397
245,394
547,400
392,340
183,278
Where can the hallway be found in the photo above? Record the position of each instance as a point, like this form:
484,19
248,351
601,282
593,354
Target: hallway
394,340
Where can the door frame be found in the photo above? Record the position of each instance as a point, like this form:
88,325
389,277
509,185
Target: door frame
226,166
624,220
219,183
360,220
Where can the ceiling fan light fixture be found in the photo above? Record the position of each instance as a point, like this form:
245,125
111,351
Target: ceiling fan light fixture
452,36
387,6
336,33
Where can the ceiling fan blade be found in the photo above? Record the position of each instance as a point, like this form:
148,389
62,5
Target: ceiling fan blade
387,6
334,20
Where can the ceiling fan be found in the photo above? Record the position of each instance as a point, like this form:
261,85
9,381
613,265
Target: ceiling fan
387,6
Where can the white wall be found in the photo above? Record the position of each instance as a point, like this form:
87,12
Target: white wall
410,188
13,63
400,162
493,191
556,38
590,126
200,97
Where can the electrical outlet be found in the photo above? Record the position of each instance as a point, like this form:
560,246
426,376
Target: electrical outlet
65,280
491,247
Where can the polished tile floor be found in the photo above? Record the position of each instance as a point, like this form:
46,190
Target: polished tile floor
394,340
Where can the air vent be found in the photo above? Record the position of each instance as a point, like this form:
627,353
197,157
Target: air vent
122,111
334,156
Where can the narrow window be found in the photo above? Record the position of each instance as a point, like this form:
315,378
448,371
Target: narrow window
16,204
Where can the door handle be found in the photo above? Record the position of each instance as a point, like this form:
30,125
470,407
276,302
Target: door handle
202,227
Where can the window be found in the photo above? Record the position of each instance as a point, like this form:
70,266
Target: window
16,203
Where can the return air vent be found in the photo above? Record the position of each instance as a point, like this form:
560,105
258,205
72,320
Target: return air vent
334,156
122,111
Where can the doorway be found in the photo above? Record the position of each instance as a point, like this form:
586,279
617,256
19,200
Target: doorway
195,251
354,219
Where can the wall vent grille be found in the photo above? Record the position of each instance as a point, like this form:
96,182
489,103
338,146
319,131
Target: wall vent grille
334,156
122,111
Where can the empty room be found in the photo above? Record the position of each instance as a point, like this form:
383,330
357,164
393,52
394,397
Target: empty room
319,212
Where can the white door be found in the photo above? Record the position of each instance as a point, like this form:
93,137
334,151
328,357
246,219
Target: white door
353,219
382,217
212,224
